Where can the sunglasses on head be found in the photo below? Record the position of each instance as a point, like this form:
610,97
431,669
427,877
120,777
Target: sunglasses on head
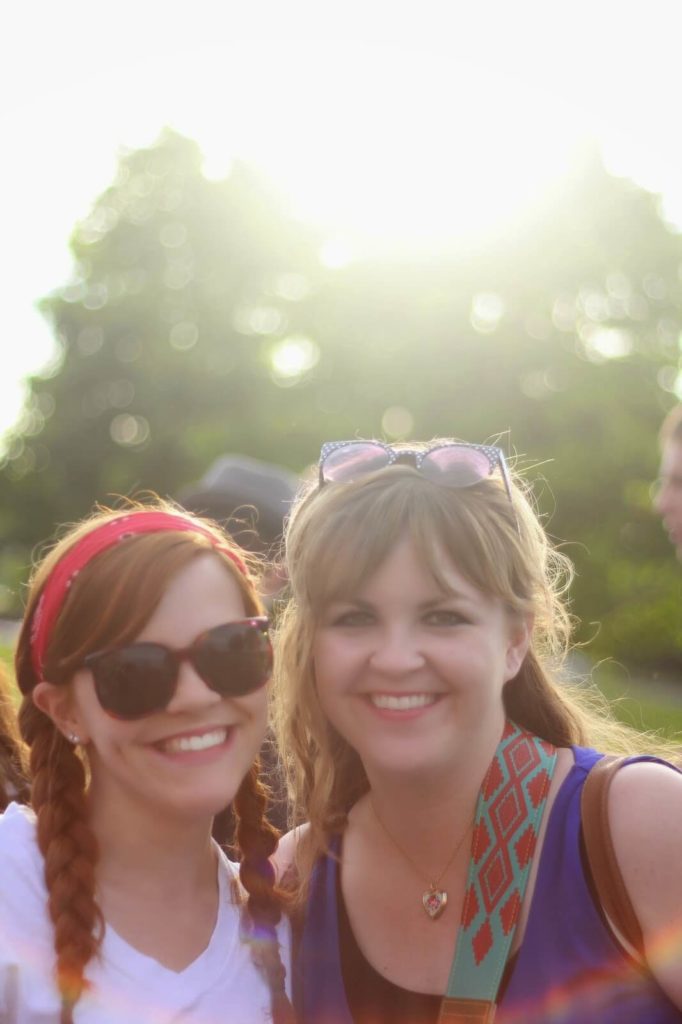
136,680
452,463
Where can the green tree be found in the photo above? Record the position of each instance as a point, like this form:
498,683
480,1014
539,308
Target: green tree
161,337
201,320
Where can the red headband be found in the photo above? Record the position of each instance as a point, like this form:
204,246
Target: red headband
88,547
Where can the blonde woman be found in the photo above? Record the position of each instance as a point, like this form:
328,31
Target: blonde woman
439,760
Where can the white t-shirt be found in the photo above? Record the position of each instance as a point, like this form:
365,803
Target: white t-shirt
222,986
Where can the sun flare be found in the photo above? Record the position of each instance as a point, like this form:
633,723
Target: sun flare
439,131
388,143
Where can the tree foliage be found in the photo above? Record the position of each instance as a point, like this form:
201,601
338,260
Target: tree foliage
200,319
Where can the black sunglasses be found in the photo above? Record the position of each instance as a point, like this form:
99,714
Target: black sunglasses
133,681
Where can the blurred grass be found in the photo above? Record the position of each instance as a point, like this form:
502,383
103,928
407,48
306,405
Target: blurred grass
6,656
645,704
7,662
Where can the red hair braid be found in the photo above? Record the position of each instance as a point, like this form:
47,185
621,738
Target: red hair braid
69,849
257,840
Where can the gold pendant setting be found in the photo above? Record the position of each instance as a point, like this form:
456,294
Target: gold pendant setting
434,901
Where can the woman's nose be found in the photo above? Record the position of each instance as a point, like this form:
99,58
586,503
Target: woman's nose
396,651
190,690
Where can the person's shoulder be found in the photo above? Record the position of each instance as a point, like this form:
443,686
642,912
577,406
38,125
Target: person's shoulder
644,781
20,858
645,801
23,894
17,830
645,816
284,857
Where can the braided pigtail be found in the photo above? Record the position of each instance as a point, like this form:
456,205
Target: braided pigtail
257,840
69,849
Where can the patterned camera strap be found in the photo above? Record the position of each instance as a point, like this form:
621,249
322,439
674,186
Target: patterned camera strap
509,812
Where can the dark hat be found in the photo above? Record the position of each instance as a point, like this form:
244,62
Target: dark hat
254,494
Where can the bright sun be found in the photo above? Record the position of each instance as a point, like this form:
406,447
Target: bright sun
385,142
385,146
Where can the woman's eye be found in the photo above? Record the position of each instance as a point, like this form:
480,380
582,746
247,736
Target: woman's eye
444,617
352,618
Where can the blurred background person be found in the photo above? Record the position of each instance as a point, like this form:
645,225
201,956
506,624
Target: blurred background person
668,495
249,498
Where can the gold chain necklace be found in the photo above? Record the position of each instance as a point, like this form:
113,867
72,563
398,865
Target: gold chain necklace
434,899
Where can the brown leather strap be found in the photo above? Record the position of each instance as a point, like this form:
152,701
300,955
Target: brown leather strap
466,1011
601,855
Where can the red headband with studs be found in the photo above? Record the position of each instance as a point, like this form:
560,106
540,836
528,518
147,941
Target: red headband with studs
93,543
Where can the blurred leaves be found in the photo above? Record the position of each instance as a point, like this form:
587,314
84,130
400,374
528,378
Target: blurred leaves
202,317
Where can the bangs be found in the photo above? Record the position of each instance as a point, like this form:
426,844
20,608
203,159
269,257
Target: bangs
337,547
348,554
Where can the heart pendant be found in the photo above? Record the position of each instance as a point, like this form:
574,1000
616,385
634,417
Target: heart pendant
435,901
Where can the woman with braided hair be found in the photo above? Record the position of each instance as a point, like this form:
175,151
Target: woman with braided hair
142,661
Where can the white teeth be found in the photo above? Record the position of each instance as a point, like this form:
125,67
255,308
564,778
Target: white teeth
199,742
406,702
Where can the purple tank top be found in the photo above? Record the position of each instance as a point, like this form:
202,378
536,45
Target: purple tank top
569,969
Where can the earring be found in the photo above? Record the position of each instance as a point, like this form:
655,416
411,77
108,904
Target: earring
73,738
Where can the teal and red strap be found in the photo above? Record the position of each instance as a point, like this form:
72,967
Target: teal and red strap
508,816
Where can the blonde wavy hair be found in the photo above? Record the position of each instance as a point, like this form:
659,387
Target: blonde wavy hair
336,538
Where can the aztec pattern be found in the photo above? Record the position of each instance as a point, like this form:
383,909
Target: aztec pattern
508,816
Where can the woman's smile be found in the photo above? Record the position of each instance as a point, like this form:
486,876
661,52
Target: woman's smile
402,701
428,664
186,746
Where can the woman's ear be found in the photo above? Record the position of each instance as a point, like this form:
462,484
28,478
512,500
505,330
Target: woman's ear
57,702
520,633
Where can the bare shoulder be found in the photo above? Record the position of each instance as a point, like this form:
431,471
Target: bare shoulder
645,815
284,856
645,804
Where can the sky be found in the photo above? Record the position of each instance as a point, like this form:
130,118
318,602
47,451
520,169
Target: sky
364,114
